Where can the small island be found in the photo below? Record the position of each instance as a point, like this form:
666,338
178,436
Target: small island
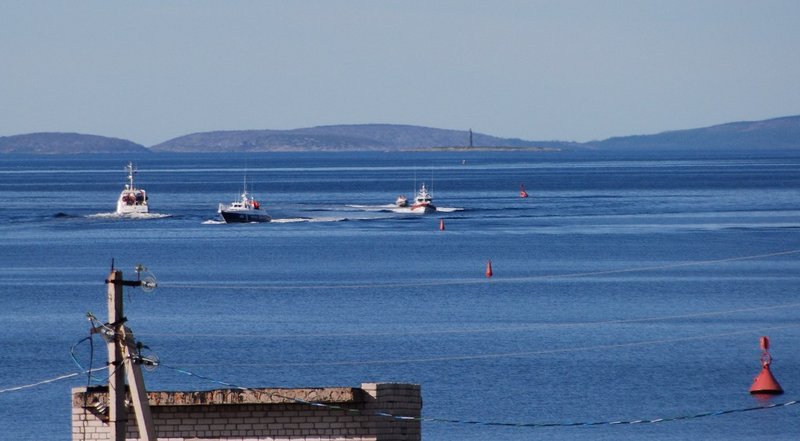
54,143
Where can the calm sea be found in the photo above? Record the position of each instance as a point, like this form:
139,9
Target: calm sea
625,287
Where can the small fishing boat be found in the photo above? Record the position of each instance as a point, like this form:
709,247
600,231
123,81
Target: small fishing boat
522,192
423,202
132,200
401,201
244,210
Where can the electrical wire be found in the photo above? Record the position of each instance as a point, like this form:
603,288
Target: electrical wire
758,331
489,423
518,354
48,381
477,280
498,355
513,328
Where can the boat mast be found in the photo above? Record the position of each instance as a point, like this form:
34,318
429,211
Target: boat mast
131,171
244,184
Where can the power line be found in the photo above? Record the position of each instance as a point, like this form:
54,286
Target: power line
477,280
513,328
757,331
518,354
430,283
494,423
51,380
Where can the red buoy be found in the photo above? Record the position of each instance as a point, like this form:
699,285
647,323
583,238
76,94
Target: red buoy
441,224
765,382
522,192
489,268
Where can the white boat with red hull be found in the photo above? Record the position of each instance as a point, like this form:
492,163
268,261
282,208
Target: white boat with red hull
423,202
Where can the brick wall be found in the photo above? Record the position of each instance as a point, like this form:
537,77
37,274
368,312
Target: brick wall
262,414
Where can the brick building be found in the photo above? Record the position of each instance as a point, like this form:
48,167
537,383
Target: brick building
338,413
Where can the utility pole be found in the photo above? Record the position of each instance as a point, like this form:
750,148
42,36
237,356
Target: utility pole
123,358
117,415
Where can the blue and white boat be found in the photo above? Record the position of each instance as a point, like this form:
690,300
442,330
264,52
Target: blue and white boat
246,209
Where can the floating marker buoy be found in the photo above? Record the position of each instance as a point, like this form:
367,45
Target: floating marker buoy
765,382
522,192
441,224
489,268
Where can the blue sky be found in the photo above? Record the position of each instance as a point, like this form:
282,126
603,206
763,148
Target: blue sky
150,71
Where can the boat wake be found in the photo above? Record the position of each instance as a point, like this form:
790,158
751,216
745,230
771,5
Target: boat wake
387,207
310,219
392,208
288,220
407,210
127,216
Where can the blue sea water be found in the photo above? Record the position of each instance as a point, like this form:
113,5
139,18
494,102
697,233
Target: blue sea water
627,286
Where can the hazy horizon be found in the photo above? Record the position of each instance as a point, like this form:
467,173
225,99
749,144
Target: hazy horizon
569,71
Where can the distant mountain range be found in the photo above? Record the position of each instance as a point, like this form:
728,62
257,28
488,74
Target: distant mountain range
777,133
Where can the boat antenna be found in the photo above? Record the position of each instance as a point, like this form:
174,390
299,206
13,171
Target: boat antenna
131,171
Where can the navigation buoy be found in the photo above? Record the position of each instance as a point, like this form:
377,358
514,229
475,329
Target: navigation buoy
765,382
489,268
522,192
441,224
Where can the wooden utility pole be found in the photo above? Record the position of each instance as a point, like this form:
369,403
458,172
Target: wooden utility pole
117,414
141,404
122,359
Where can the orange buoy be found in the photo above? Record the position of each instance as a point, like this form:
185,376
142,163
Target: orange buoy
765,382
441,224
489,268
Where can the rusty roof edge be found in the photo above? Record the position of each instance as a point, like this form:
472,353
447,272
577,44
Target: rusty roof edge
327,395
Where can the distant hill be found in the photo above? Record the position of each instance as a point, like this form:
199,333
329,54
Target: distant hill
66,143
357,137
777,133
